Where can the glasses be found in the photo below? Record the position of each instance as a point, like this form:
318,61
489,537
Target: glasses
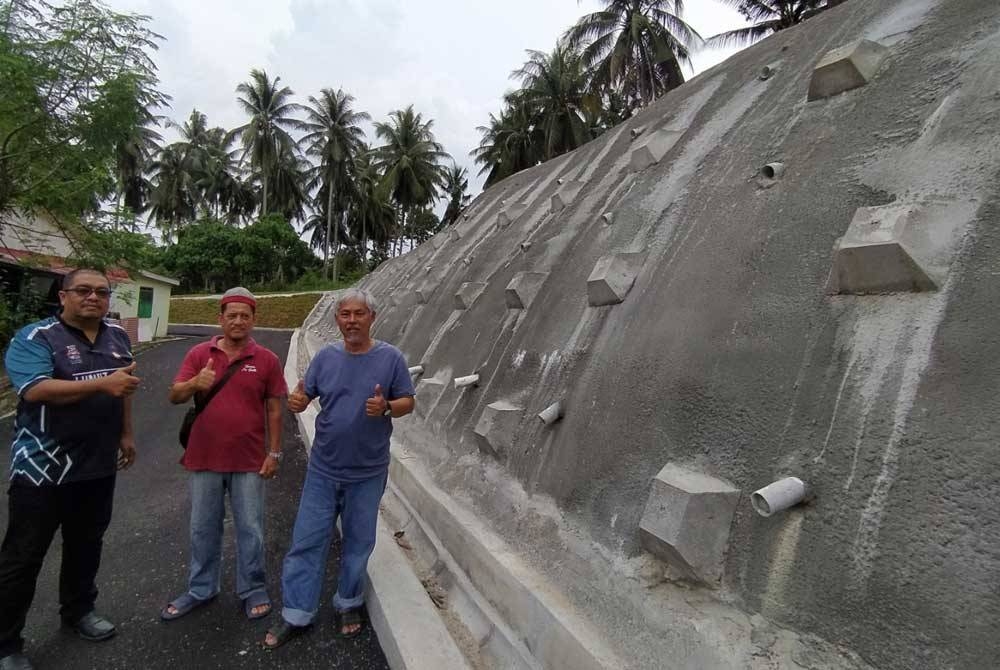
86,292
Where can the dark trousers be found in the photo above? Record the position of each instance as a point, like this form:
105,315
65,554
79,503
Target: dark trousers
83,511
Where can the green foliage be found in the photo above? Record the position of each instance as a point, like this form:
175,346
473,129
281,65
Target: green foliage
113,248
76,81
210,255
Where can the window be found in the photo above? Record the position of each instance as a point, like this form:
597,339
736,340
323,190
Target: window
145,302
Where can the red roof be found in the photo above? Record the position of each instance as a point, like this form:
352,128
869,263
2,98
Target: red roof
54,264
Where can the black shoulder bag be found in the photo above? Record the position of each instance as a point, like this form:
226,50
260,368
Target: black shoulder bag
193,412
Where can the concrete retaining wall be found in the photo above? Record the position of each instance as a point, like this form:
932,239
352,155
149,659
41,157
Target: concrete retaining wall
727,354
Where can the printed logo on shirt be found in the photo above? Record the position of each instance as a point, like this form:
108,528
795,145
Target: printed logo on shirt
249,368
73,354
94,374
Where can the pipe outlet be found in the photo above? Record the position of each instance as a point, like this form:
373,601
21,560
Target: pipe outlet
416,370
779,496
551,414
609,218
560,180
773,170
468,380
525,246
635,132
428,268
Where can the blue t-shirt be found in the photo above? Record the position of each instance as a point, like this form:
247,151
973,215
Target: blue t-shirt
56,444
351,446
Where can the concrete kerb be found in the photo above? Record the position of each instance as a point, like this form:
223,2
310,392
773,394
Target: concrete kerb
408,626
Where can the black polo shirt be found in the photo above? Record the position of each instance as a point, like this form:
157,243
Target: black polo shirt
57,444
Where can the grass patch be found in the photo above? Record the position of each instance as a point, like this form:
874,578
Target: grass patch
272,311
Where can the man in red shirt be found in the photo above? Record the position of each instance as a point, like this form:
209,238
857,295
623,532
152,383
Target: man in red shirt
226,452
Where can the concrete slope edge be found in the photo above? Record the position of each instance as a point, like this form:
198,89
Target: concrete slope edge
555,634
412,634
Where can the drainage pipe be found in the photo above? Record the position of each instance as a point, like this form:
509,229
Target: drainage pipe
469,380
416,370
551,414
778,496
773,170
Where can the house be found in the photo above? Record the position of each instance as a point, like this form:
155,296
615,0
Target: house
33,253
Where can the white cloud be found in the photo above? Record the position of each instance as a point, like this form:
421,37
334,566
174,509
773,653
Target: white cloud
450,58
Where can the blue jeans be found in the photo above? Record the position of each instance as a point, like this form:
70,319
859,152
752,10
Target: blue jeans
323,500
208,509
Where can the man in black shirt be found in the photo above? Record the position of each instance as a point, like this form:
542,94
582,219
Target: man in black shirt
73,376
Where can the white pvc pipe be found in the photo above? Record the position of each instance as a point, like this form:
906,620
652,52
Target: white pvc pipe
551,414
609,218
778,496
416,370
773,170
468,380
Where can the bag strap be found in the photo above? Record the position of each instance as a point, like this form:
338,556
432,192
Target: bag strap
230,371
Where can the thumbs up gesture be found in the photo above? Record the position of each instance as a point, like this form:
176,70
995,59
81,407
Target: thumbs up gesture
121,382
297,399
377,404
205,378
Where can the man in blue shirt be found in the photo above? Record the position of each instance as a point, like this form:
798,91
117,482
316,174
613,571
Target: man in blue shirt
362,384
73,376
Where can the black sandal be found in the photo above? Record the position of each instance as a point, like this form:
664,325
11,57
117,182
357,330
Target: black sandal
283,632
354,617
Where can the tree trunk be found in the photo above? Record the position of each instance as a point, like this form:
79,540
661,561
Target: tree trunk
263,209
329,219
336,246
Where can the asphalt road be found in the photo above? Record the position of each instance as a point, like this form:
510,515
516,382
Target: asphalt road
146,554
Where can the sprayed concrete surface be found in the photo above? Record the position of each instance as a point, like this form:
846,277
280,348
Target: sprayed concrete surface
727,356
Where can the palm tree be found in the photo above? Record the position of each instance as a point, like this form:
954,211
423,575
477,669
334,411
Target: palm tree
410,161
371,208
266,135
218,175
132,160
554,86
174,193
635,47
289,193
510,143
767,17
456,182
334,137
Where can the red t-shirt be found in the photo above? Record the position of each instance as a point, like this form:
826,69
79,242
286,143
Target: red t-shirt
228,435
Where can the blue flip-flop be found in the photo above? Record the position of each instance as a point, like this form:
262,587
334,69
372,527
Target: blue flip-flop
183,604
256,599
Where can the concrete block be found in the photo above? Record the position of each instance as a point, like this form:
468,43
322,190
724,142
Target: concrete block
467,294
845,68
612,278
496,427
562,198
653,148
428,393
424,293
523,288
887,249
687,520
510,213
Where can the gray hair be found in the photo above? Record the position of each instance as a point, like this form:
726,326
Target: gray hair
358,294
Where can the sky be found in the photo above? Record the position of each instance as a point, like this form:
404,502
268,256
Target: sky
450,58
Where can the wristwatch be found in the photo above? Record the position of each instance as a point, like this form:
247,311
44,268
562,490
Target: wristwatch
388,409
276,455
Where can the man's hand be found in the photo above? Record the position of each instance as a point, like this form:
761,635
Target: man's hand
270,468
297,399
121,383
377,404
126,452
205,378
